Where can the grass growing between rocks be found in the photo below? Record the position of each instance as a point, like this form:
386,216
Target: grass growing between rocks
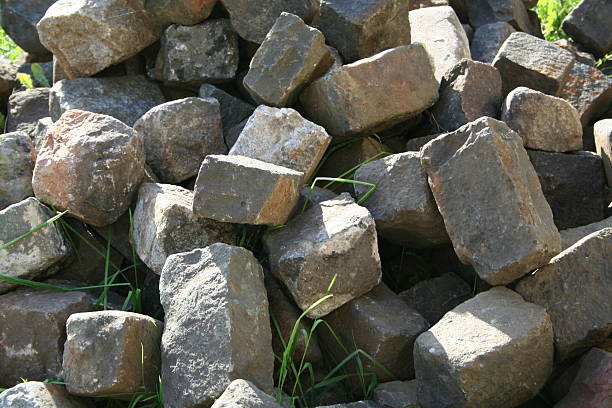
551,14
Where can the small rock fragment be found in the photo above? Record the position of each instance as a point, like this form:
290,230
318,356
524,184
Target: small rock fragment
588,24
25,109
244,394
591,386
396,394
483,12
34,394
17,158
19,18
603,144
488,39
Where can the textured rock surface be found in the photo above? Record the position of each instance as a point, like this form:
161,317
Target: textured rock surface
358,404
25,109
500,224
186,12
233,110
588,25
244,394
575,290
396,394
572,235
345,101
603,144
34,394
105,167
581,56
19,19
17,157
483,12
8,75
488,39
333,238
495,350
233,323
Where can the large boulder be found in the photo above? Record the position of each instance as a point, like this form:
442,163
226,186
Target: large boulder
19,18
588,25
35,394
17,158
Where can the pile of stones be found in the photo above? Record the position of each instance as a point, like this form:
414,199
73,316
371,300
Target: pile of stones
467,248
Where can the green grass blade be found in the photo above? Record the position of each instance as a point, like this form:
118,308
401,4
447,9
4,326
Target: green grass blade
33,230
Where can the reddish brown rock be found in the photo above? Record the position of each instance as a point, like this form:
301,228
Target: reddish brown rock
185,12
591,386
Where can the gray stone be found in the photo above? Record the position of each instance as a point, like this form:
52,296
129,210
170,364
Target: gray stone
590,388
19,19
178,135
25,109
396,394
17,157
8,76
588,25
402,204
193,55
124,98
603,143
34,394
164,224
470,90
244,394
360,29
225,284
440,31
242,190
581,56
358,404
495,350
346,100
39,131
483,12
282,137
417,4
525,60
414,145
500,223
313,196
572,235
333,239
488,39
544,122
292,55
33,332
575,290
233,133
37,255
185,12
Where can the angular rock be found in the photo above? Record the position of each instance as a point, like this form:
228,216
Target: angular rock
581,56
573,185
90,165
17,158
525,60
591,386
575,290
292,55
244,394
495,350
589,90
185,12
282,137
335,238
25,109
572,235
488,39
178,135
124,98
233,110
469,90
544,122
19,19
396,394
37,255
313,196
233,322
588,24
34,394
483,12
242,190
193,55
603,144
345,101
440,31
8,75
39,131
402,204
501,224
360,29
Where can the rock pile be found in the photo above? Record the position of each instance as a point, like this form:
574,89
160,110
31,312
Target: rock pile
313,203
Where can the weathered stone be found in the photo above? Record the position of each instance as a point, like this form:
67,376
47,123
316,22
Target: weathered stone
501,224
19,19
470,90
35,256
178,135
582,57
591,386
603,144
242,190
488,39
103,351
164,224
39,131
233,322
544,122
440,31
33,331
87,37
575,290
573,185
34,394
124,98
90,165
525,60
292,55
588,25
185,12
193,55
572,235
346,100
244,394
396,394
402,204
432,298
335,238
360,29
483,12
25,109
495,350
17,157
8,75
282,137
313,196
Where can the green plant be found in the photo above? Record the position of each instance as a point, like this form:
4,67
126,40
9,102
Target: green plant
551,14
8,48
25,80
39,75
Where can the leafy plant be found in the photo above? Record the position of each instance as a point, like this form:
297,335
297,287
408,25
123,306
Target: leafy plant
552,13
39,75
8,48
25,80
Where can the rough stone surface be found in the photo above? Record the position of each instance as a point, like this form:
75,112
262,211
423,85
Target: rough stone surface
588,25
440,31
483,12
19,19
572,235
164,224
17,157
525,60
124,98
358,404
544,122
185,12
312,196
488,39
402,204
333,238
495,350
233,110
575,289
501,224
105,167
35,256
242,190
25,109
178,135
40,131
233,322
396,394
346,100
581,56
603,143
244,394
34,394
291,56
282,137
573,185
8,75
